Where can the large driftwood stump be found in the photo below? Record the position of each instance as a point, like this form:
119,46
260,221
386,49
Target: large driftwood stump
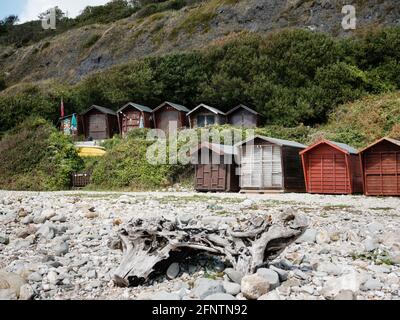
251,245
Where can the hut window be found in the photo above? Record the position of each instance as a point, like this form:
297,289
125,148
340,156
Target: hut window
203,121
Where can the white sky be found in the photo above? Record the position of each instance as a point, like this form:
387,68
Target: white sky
34,7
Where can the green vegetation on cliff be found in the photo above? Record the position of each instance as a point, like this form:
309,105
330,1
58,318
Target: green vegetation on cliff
32,32
290,77
35,156
125,166
366,120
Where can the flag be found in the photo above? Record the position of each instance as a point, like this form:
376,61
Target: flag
74,123
62,108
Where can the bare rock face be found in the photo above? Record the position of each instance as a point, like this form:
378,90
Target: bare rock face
246,15
254,286
147,244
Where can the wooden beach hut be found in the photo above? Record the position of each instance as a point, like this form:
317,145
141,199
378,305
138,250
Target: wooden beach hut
332,168
204,115
243,116
99,123
133,116
216,168
380,163
270,165
170,115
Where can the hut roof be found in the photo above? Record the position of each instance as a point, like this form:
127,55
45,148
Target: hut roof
212,109
241,106
394,141
173,105
101,109
136,106
220,149
279,142
65,117
337,145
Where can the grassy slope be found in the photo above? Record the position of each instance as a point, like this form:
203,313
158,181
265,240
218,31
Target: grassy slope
35,156
365,120
70,55
169,28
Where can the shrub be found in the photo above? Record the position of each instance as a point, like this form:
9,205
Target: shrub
125,166
35,156
366,120
2,82
291,77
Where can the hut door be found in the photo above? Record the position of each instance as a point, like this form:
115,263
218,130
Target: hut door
382,173
98,126
261,167
210,177
131,121
327,173
167,119
271,167
251,167
218,177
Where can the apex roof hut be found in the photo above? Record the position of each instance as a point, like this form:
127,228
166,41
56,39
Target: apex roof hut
99,123
132,116
243,116
219,175
332,168
380,163
270,165
71,125
170,115
204,115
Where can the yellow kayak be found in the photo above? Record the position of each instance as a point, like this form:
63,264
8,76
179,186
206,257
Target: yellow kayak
91,151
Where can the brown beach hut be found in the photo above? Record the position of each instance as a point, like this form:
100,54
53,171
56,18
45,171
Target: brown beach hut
204,115
332,168
100,123
132,116
380,163
216,177
270,165
243,116
166,115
